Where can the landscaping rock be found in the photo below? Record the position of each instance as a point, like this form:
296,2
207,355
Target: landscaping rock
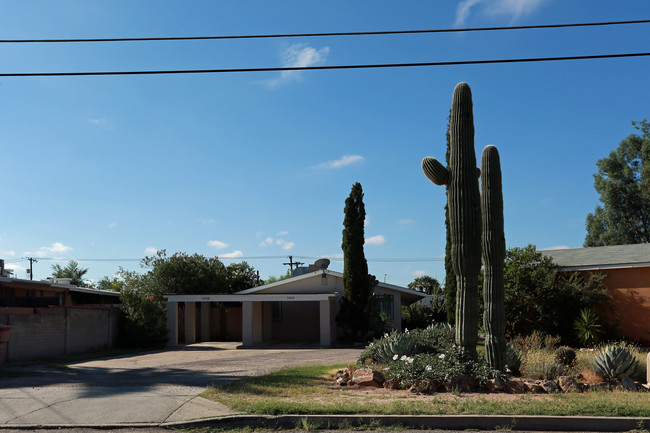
628,384
391,384
549,386
428,386
495,385
368,377
515,386
461,383
535,387
569,384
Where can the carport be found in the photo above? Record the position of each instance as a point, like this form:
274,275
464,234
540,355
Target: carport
258,313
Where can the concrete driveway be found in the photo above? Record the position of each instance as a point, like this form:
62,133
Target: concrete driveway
146,389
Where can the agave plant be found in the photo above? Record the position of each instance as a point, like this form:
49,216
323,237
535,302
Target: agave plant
615,361
513,359
395,343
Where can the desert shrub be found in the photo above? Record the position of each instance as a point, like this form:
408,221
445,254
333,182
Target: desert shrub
429,340
542,364
536,340
419,316
438,367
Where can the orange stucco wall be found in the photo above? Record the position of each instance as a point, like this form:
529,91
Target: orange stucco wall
630,289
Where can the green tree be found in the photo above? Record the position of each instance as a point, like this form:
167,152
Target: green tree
273,279
73,271
113,283
184,273
538,297
426,284
358,284
623,182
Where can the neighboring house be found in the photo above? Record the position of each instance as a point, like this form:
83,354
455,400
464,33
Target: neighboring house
628,278
300,309
55,318
16,292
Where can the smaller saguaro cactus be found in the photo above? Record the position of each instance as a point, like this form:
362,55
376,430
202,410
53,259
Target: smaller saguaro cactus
494,252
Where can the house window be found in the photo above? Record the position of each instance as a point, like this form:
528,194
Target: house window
385,305
276,311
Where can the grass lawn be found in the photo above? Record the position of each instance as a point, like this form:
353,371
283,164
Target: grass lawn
311,390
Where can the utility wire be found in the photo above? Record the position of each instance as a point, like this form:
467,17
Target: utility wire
382,260
305,35
314,68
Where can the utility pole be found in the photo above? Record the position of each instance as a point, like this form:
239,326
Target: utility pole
291,264
31,269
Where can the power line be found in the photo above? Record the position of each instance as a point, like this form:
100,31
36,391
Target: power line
383,260
306,35
331,67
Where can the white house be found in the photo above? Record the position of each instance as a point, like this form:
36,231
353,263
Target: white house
302,308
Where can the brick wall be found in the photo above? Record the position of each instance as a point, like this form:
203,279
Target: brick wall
56,331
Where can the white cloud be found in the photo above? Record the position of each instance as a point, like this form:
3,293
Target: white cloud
514,9
112,225
151,251
8,253
232,255
16,268
207,222
298,56
344,161
283,233
217,244
55,248
558,247
284,244
406,222
375,240
101,122
418,273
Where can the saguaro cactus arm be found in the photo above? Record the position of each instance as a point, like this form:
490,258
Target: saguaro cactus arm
435,171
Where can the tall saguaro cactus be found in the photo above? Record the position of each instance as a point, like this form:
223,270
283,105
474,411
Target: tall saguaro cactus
461,179
494,253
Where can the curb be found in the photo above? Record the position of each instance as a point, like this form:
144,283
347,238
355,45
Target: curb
445,422
347,422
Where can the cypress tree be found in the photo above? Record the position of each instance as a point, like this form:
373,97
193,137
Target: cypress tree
358,285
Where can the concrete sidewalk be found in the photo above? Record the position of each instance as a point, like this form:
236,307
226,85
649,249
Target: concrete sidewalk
143,390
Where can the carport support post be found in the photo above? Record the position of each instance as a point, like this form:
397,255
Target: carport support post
205,321
251,323
325,323
190,322
172,323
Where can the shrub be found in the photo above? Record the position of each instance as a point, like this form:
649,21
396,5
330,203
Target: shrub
542,364
429,340
438,367
535,341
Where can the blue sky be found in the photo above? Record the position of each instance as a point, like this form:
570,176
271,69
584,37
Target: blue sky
253,165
